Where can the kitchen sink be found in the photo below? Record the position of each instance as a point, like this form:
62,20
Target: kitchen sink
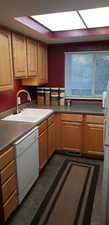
29,115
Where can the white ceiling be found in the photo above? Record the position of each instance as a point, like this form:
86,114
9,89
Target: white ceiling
18,8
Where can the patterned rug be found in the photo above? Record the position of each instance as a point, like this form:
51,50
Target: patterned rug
69,200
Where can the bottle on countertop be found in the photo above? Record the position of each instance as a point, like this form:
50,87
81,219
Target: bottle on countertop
61,96
40,96
55,96
47,96
54,99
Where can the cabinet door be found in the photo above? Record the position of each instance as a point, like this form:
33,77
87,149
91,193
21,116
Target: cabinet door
32,57
1,209
6,73
40,59
42,62
43,149
93,139
71,136
45,63
51,139
19,55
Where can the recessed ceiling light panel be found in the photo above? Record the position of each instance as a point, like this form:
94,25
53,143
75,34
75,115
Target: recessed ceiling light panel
60,21
98,17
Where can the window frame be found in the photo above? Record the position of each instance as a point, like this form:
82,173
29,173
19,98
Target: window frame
96,97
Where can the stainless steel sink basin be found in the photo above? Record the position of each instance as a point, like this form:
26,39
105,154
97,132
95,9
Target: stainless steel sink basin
29,115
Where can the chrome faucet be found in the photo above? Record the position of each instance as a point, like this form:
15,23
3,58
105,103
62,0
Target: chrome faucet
17,98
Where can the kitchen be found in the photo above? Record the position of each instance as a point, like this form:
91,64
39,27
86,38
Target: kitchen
24,52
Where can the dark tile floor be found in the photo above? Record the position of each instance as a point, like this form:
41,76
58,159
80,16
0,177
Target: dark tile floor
27,210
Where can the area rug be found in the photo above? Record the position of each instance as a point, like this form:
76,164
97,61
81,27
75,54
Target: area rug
70,198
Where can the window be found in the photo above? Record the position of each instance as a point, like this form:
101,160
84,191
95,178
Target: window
86,74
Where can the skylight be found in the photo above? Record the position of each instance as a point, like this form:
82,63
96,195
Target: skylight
98,17
78,19
60,21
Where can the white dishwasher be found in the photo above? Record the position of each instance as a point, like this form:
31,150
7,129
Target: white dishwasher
27,162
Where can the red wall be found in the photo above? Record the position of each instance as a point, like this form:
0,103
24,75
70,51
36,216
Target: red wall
56,58
55,69
8,98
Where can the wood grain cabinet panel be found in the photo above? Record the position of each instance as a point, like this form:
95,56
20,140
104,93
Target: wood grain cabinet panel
8,183
40,60
6,71
8,188
51,119
8,171
71,136
43,149
45,63
10,205
6,157
71,117
93,143
94,119
42,73
19,55
42,126
58,130
51,139
32,57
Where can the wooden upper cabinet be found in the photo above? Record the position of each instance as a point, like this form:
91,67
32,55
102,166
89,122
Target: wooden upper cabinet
32,57
40,60
6,72
19,55
45,63
42,73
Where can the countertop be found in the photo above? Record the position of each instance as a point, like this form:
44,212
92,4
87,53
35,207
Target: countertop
94,108
11,131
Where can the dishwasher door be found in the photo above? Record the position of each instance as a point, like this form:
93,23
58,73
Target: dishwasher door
27,162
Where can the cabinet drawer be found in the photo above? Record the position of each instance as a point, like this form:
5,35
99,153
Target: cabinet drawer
10,205
8,171
8,188
6,157
94,119
51,120
42,126
72,117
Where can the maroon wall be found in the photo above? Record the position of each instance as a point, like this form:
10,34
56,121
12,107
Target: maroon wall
55,69
8,98
56,58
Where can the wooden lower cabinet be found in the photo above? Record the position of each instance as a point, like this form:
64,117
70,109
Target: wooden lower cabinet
47,140
1,210
93,139
71,136
43,149
81,133
51,139
10,205
71,131
8,183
